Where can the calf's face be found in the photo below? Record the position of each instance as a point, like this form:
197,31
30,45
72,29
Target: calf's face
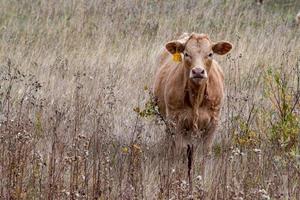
198,52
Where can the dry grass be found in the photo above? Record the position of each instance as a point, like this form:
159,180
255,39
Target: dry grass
73,71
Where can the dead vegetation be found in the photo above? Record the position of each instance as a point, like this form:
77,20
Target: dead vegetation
73,72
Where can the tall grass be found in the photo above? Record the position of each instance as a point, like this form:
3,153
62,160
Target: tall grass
72,73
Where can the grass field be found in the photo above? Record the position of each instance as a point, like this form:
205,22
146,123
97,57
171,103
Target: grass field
73,72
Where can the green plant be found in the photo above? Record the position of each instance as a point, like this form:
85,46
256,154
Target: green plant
283,94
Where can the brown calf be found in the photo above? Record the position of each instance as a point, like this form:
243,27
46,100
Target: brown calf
189,84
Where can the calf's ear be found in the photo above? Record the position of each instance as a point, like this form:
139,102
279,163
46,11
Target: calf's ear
178,45
222,47
175,46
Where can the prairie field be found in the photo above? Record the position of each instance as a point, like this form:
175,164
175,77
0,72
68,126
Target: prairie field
77,119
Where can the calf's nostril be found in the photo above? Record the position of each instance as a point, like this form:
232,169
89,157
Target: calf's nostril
202,72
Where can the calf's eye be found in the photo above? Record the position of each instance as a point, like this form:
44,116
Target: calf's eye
186,55
210,55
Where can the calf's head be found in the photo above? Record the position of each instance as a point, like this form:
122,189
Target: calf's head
198,51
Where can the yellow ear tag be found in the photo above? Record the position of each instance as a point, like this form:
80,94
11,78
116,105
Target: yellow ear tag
177,57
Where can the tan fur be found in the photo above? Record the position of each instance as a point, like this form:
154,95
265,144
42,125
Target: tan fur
192,107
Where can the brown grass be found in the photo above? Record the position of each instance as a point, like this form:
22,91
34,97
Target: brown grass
73,71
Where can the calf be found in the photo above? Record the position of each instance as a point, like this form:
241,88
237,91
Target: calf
189,84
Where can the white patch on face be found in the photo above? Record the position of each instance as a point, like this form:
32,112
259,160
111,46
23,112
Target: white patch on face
205,75
191,74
